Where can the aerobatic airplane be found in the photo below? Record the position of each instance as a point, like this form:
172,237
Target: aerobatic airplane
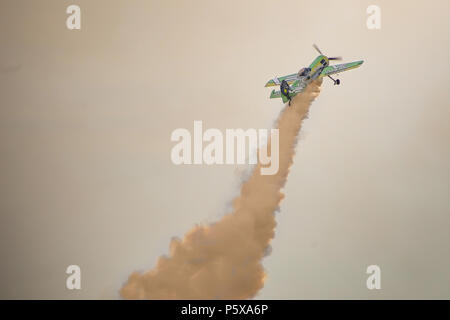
293,84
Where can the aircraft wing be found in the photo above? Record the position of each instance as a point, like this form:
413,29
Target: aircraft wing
277,80
340,68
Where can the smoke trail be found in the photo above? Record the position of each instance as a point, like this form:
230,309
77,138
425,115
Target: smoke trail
224,260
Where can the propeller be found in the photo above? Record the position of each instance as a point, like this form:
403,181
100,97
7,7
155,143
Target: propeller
334,58
317,48
330,58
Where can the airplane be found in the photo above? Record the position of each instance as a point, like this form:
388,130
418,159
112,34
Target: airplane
295,83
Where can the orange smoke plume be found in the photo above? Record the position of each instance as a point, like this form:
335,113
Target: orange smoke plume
224,260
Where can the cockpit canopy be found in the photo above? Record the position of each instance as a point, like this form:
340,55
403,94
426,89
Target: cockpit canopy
304,72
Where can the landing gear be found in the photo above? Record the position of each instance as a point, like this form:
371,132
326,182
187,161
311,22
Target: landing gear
336,82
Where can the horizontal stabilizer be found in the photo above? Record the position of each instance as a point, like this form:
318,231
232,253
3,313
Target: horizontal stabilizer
275,94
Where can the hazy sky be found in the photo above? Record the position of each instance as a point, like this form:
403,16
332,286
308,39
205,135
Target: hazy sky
86,117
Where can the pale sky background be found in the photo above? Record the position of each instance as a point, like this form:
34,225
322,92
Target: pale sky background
86,118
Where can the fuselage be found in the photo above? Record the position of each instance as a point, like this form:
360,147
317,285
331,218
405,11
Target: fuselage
317,66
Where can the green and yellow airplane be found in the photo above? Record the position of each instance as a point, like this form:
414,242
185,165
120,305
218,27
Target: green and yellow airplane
295,83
